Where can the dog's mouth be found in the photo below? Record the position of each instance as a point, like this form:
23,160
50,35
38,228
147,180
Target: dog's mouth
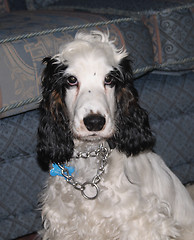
93,136
90,137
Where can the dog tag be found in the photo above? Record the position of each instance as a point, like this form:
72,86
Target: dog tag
57,171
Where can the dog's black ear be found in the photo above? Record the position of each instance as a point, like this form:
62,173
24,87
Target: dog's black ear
55,143
133,133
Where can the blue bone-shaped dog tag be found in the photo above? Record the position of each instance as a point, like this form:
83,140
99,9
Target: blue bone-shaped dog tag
56,170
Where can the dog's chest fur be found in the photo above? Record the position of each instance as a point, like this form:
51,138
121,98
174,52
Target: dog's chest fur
108,216
104,215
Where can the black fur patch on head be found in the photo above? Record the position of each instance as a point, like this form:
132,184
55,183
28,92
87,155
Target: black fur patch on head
55,143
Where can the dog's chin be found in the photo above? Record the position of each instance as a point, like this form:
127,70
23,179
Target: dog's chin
93,137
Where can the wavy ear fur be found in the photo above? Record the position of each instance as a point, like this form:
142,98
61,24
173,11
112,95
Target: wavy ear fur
55,143
133,133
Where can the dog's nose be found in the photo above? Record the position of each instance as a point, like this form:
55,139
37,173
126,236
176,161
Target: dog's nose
94,122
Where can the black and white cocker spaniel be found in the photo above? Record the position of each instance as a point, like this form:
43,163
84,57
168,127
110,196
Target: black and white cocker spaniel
105,183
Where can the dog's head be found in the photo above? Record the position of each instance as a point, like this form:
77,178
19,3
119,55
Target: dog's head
88,95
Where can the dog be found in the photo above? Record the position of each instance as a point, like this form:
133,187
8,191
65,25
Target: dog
106,182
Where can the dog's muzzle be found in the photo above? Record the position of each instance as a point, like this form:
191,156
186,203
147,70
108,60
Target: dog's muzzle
94,122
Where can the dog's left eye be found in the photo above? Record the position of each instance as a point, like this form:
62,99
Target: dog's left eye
72,81
109,80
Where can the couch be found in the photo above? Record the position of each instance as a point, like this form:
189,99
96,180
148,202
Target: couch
159,38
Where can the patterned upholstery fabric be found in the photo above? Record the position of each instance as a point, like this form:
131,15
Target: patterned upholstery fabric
21,60
155,40
21,179
21,182
172,35
169,102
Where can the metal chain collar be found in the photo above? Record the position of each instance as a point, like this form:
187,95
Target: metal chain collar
102,152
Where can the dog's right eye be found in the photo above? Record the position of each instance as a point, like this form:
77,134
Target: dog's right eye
72,81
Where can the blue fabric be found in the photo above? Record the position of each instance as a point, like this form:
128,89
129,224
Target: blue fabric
21,181
155,40
21,66
169,102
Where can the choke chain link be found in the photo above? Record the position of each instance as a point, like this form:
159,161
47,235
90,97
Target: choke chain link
102,152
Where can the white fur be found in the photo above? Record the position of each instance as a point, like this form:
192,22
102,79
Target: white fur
140,198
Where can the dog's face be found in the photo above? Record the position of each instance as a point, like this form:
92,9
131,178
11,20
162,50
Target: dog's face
90,87
88,95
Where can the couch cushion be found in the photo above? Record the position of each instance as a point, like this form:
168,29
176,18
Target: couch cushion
169,102
18,136
22,53
172,33
21,181
170,24
156,40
